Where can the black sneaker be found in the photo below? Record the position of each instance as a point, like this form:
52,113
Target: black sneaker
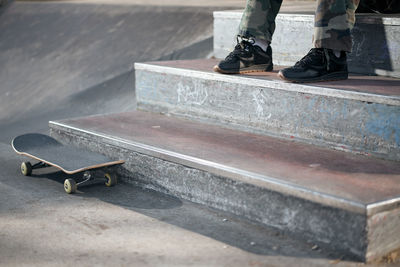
320,64
246,58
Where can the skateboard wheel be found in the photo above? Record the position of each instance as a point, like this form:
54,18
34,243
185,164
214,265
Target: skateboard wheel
111,179
26,168
70,186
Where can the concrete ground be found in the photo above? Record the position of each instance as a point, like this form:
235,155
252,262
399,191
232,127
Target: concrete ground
60,60
40,225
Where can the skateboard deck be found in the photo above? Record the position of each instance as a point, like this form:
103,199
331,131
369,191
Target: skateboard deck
67,158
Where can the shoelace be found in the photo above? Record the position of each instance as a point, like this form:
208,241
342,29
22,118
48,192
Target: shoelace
243,45
312,55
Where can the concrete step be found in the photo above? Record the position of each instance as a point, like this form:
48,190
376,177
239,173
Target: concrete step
376,46
345,202
360,115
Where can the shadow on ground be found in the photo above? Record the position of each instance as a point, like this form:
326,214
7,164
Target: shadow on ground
221,226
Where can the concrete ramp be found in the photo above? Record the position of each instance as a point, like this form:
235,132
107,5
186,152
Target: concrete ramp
60,60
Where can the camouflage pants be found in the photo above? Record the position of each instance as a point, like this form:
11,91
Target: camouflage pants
333,21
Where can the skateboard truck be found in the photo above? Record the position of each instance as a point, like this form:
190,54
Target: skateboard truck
27,167
70,185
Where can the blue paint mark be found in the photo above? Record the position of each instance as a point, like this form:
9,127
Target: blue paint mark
373,124
384,122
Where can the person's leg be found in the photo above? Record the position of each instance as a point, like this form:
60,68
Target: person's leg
333,23
253,53
258,19
327,61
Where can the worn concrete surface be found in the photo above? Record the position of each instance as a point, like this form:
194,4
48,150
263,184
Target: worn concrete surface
4,3
354,180
40,225
60,60
320,195
361,114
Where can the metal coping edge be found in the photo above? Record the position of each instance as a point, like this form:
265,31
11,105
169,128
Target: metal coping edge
383,206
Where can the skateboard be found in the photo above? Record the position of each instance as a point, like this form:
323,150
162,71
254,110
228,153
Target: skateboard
69,159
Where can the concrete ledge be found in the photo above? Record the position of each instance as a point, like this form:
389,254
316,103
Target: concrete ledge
376,46
359,115
158,156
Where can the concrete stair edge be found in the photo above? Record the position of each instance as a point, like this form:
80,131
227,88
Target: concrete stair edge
279,85
238,174
224,180
351,133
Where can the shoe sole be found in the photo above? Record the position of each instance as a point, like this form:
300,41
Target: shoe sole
262,68
336,76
